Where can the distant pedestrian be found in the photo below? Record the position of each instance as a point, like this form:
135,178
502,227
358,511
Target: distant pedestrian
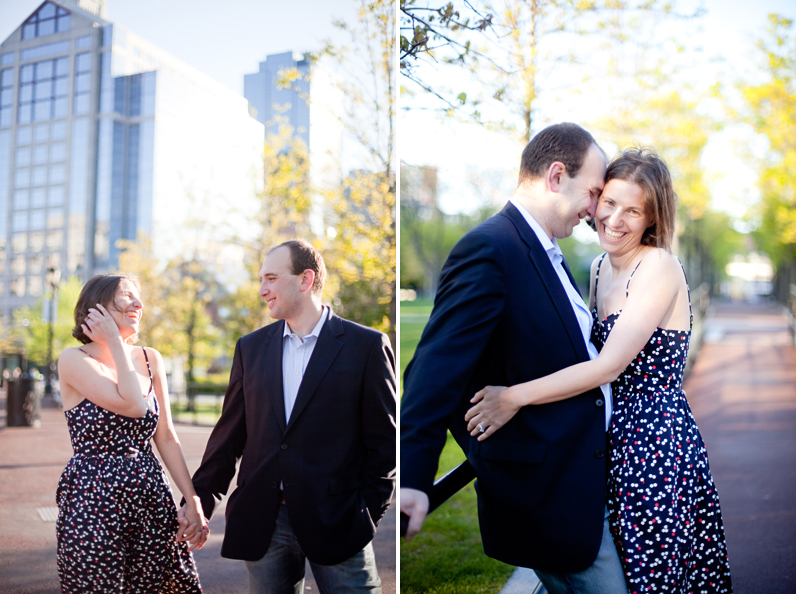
118,529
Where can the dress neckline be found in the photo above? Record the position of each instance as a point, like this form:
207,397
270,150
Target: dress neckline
601,321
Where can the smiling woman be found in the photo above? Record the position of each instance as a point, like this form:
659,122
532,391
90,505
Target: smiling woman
120,294
116,403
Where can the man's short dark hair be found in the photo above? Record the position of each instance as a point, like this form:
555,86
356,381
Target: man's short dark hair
305,257
566,142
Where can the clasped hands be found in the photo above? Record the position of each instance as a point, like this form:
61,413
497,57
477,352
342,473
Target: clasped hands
193,525
494,407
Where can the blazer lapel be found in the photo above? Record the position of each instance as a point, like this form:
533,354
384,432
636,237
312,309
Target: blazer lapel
569,274
552,283
323,355
272,372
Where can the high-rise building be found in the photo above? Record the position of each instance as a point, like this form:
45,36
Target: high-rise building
103,136
304,94
279,92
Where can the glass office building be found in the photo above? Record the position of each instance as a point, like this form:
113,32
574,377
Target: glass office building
274,101
104,137
305,94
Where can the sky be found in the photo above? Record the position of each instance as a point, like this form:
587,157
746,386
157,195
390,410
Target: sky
224,40
727,33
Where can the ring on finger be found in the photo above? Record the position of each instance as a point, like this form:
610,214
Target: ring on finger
481,428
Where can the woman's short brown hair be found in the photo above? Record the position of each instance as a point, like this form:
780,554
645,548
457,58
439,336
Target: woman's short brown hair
643,167
99,289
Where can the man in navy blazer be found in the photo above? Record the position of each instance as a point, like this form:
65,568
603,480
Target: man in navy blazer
310,411
506,312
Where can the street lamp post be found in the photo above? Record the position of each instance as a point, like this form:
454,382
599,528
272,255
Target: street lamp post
53,277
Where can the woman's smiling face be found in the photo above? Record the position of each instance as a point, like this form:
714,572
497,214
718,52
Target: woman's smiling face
621,216
126,308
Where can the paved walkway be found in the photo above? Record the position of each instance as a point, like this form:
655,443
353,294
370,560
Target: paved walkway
742,391
31,461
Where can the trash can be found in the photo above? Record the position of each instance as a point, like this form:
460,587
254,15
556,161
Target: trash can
23,403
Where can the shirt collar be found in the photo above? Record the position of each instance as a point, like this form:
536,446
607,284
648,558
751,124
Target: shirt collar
549,245
315,331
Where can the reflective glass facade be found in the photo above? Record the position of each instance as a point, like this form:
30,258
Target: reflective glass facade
104,137
275,102
47,20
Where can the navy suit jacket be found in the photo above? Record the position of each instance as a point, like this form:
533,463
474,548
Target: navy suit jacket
501,317
335,456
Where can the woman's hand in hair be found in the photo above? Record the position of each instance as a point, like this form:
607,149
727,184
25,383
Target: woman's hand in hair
100,326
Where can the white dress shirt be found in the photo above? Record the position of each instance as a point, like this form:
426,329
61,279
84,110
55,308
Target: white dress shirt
296,353
582,312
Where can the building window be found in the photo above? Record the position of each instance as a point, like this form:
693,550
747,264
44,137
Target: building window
82,82
19,221
18,265
23,157
6,96
55,218
38,197
36,220
35,263
17,286
36,241
57,152
18,242
21,199
55,196
47,20
55,240
34,286
58,131
57,174
22,178
43,90
24,135
40,154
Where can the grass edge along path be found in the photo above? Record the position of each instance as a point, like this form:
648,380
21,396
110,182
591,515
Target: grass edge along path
447,556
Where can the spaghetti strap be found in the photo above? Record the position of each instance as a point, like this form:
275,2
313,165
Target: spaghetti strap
627,288
688,290
82,351
597,278
149,370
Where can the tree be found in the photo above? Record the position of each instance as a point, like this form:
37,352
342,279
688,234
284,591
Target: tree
30,333
428,234
191,295
360,249
771,110
179,299
440,27
515,52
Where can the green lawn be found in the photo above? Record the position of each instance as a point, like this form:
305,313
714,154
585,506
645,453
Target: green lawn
205,414
447,556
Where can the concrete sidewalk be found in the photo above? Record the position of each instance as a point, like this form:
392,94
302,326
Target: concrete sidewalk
31,462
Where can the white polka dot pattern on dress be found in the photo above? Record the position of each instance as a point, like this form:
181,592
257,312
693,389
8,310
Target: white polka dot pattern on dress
664,509
117,520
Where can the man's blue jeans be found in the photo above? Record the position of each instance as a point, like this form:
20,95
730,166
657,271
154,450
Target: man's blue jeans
281,570
605,576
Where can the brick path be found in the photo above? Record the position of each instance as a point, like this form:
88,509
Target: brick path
742,391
